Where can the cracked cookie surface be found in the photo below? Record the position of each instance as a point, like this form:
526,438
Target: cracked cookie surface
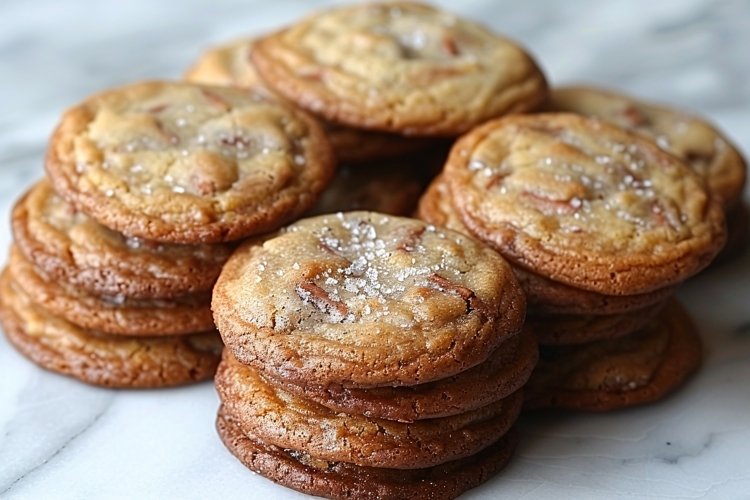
187,163
400,67
543,296
585,203
686,136
231,65
363,300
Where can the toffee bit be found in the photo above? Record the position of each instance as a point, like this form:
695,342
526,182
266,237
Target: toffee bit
312,293
216,100
635,117
444,285
411,239
495,180
561,207
170,136
157,109
450,47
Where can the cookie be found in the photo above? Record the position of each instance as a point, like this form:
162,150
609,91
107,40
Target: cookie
543,296
585,203
504,373
365,300
100,359
116,315
230,65
611,374
547,297
70,247
274,416
565,329
339,480
186,163
390,187
690,138
399,67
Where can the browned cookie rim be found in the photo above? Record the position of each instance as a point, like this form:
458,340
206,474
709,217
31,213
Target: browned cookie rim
97,371
279,351
285,467
112,316
127,278
681,358
579,329
543,296
271,415
268,214
495,379
606,274
524,93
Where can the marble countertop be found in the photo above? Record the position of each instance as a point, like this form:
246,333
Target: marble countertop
61,439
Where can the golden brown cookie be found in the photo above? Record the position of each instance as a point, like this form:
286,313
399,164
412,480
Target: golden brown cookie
365,300
504,373
688,137
543,296
585,203
276,417
230,65
566,329
338,480
112,315
70,247
611,374
100,359
400,67
187,163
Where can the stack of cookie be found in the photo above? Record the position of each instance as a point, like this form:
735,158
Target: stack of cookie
115,255
692,139
390,82
371,356
600,225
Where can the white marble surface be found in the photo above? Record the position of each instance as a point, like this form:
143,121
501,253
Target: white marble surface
60,439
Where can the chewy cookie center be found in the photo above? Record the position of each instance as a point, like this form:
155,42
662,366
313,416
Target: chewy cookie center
367,273
425,44
191,141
